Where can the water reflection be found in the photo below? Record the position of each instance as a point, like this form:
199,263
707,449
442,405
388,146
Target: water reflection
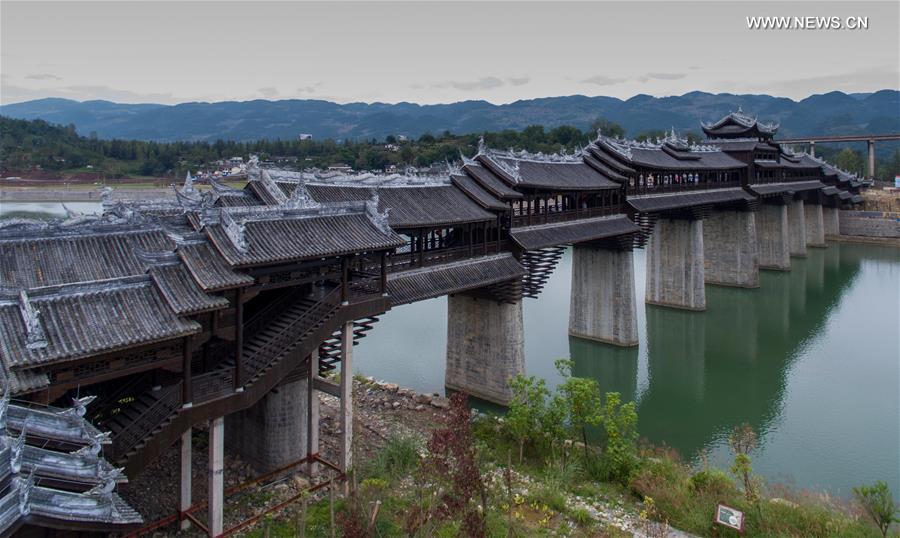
709,371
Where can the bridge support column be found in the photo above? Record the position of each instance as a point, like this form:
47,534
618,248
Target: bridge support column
675,267
832,221
485,347
815,226
272,433
772,233
730,249
602,306
216,489
346,443
184,497
797,228
871,159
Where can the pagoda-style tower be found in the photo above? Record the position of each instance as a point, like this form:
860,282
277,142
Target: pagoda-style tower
740,125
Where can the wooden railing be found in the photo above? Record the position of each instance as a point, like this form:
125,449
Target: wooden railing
168,401
563,216
410,260
271,311
681,187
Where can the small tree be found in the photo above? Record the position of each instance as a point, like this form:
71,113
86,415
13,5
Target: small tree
742,441
879,504
525,416
580,397
620,424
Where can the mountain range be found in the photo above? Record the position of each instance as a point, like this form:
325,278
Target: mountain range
830,113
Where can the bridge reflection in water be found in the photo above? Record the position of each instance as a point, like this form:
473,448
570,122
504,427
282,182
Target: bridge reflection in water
755,353
808,359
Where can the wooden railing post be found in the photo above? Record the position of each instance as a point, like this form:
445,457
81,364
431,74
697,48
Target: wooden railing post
238,338
345,277
186,390
384,273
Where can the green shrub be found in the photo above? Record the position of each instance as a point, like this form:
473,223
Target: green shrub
548,496
582,517
714,483
620,424
879,504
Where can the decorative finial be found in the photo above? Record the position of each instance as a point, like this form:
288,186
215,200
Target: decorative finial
482,147
34,330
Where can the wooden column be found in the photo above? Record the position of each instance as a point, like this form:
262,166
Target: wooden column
312,415
187,392
346,442
421,247
384,273
484,229
345,277
216,490
184,501
238,339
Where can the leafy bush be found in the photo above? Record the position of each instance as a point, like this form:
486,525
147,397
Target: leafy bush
714,483
620,424
879,504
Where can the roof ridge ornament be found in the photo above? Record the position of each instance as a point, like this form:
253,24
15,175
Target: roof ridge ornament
235,231
34,331
380,220
188,186
17,447
301,198
271,187
25,485
253,170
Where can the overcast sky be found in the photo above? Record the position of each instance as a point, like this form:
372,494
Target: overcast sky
434,52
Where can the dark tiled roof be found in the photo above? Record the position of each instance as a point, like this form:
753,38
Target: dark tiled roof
245,198
495,185
668,159
80,321
741,145
786,187
551,175
209,269
182,292
282,240
411,206
571,232
681,200
434,281
62,257
830,191
478,193
601,167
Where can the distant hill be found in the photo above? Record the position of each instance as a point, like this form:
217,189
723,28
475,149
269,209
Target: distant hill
833,112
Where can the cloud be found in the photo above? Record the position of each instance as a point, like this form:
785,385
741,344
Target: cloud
268,92
484,83
603,80
661,76
303,90
43,76
519,81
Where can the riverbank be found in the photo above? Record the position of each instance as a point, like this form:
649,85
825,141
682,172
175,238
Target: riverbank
540,496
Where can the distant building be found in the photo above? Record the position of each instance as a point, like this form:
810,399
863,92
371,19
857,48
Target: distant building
304,136
340,167
391,169
401,138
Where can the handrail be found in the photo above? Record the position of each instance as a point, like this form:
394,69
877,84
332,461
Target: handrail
279,337
111,402
264,316
126,439
680,187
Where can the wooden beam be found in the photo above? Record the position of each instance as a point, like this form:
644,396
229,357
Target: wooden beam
327,387
346,442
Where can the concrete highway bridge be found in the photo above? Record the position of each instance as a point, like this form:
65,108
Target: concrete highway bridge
228,307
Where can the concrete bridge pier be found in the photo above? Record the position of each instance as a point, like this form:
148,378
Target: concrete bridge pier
797,228
815,226
831,221
603,305
675,265
273,432
485,346
731,249
772,234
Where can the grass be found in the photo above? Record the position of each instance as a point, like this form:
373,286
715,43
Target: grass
398,458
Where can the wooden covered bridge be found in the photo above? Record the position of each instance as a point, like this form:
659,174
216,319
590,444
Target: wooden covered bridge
235,302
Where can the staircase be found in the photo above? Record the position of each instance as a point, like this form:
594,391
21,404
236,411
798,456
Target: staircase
330,350
146,424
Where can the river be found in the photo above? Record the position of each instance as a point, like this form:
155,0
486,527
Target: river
811,360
